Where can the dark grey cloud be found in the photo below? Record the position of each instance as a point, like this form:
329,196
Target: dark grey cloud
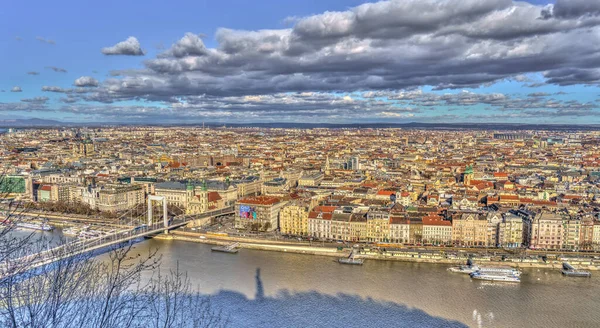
374,50
86,81
190,45
16,89
387,45
69,91
18,38
44,40
33,73
69,100
23,107
566,9
538,94
36,100
57,69
129,47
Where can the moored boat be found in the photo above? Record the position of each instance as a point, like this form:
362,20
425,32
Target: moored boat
354,261
496,277
569,271
35,226
231,249
351,260
499,271
468,268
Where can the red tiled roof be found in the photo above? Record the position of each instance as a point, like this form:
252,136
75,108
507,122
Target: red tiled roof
435,220
260,200
325,209
214,196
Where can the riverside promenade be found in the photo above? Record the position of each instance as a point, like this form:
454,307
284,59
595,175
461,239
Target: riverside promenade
445,257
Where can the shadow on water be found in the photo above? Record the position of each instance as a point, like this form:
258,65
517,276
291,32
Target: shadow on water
314,309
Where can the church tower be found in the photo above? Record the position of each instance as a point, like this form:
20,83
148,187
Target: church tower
468,175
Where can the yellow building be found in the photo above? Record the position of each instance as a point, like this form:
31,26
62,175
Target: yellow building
510,231
293,220
116,198
310,180
596,236
378,226
469,229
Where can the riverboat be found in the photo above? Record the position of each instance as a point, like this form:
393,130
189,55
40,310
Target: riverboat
496,277
351,260
231,249
35,226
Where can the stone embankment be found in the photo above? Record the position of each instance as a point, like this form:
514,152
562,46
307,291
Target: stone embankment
332,250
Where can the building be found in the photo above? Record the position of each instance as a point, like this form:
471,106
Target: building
319,222
596,236
469,229
378,226
358,227
293,220
84,148
276,186
196,201
399,230
310,180
176,193
437,231
114,198
249,186
258,213
572,233
493,219
14,186
340,226
510,231
47,193
547,231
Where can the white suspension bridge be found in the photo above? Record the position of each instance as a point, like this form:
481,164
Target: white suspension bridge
78,247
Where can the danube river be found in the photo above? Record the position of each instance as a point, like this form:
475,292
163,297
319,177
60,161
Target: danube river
270,289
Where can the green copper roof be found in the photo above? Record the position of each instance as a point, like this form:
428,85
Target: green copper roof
469,169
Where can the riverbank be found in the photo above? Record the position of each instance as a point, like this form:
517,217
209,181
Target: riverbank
65,220
407,255
263,246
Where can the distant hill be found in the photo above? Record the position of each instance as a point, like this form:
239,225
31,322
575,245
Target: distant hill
37,122
31,122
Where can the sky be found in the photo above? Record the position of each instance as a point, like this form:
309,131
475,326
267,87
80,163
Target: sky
321,61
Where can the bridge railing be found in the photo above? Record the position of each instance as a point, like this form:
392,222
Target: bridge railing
79,246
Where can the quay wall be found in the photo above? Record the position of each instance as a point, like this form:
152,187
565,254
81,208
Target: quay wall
290,247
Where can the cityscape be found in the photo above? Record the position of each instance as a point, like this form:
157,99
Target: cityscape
396,163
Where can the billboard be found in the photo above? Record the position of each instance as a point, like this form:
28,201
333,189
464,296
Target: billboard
247,212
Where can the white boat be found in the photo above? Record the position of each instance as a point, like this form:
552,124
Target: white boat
35,226
351,260
88,235
495,277
231,249
468,269
499,271
72,231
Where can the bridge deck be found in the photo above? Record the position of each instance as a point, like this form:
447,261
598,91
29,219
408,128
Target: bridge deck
78,247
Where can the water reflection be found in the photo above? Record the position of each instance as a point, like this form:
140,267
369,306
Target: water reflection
314,309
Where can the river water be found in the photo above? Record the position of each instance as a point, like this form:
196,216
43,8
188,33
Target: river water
271,289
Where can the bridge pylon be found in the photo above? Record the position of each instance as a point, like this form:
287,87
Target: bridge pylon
165,213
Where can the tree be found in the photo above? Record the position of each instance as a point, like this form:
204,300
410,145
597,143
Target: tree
82,291
266,226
